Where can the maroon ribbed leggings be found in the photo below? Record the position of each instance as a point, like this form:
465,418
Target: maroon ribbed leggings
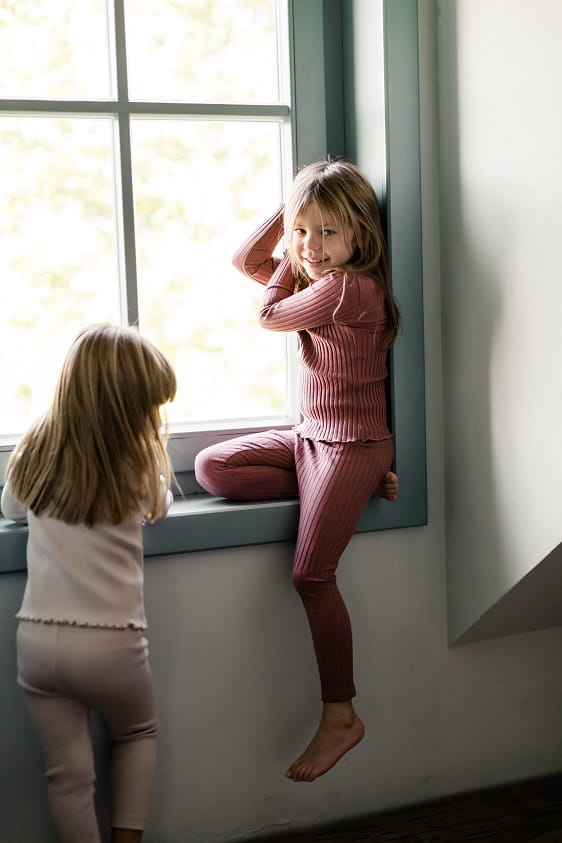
334,481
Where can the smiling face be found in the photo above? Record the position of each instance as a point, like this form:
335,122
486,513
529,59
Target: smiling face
319,243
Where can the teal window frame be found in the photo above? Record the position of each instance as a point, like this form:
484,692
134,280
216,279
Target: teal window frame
323,97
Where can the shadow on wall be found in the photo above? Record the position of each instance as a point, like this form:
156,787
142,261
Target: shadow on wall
471,310
496,259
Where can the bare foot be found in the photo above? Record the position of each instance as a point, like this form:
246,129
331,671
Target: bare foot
340,729
388,487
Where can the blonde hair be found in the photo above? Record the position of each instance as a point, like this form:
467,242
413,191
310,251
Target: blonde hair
340,191
97,455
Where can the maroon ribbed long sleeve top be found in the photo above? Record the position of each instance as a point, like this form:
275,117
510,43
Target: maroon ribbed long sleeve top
340,321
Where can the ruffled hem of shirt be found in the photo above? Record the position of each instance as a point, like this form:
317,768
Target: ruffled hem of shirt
81,624
306,430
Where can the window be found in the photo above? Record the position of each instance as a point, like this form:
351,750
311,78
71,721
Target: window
140,143
96,223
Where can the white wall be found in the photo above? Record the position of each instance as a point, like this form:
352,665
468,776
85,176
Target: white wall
235,674
501,201
238,696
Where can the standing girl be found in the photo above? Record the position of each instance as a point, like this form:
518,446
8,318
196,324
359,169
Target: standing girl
85,477
333,288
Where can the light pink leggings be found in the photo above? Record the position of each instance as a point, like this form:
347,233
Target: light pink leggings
65,671
334,481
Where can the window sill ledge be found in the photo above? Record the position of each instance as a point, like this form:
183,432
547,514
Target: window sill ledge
201,522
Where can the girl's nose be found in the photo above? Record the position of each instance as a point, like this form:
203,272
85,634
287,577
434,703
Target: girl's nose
312,243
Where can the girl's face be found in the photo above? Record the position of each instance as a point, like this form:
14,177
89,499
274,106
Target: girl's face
319,243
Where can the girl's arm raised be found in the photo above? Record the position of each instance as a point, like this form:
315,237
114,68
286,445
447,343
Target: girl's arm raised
255,256
352,300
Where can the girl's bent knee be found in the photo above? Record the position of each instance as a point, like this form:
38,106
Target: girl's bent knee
298,581
207,471
307,585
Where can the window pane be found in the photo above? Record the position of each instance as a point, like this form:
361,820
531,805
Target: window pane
202,51
200,189
54,49
58,262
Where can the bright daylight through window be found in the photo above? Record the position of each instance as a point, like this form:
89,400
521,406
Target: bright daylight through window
140,143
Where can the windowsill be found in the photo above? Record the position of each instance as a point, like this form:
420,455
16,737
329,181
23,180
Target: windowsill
201,522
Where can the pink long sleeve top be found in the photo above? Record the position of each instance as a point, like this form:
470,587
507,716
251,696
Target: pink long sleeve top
340,322
79,575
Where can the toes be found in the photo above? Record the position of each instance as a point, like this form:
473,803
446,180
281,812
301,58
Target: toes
299,773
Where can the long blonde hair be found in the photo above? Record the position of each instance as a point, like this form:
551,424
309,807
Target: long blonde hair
97,455
339,190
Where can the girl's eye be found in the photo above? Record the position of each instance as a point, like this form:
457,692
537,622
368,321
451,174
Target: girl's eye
299,231
327,232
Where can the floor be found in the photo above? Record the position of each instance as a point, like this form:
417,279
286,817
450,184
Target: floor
529,812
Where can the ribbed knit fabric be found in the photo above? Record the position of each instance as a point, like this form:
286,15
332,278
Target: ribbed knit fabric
340,321
334,481
79,575
336,458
